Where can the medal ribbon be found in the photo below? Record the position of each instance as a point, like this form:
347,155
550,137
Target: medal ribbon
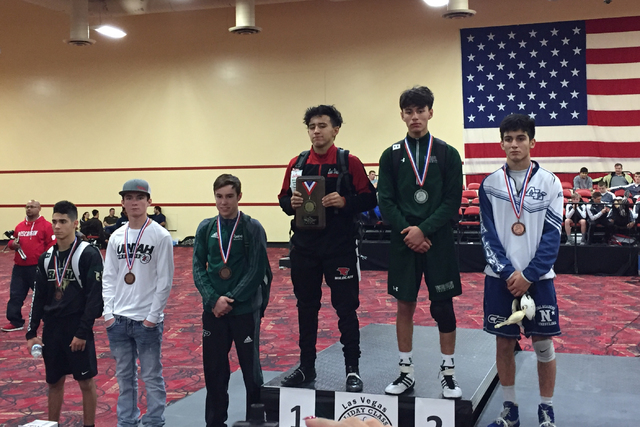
224,256
419,178
309,186
131,257
60,276
517,209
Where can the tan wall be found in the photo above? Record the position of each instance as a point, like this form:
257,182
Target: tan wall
180,91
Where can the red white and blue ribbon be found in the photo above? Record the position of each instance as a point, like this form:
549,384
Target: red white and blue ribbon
517,208
419,178
60,275
131,256
225,256
309,186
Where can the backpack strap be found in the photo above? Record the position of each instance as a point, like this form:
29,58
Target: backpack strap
342,161
302,160
75,260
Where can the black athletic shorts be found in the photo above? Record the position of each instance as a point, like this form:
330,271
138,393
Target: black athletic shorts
59,360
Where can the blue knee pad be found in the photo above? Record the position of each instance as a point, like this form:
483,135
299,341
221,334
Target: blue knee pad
442,312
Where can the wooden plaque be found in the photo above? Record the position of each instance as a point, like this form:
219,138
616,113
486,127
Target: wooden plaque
311,215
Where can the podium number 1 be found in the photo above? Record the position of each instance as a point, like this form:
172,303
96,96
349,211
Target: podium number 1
296,409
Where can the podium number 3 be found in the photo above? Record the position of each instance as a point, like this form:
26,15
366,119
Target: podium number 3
296,409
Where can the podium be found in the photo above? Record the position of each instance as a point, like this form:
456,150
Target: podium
475,373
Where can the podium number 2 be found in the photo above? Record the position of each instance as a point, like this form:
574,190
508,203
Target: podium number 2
296,409
435,419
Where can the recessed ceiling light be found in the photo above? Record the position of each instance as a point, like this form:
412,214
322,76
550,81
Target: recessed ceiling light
436,3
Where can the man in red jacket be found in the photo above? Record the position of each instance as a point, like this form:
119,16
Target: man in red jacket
33,236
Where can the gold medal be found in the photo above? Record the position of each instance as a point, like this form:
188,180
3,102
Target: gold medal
309,206
129,278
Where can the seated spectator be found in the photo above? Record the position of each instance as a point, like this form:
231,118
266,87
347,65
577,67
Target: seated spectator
620,216
617,178
597,213
373,178
607,196
92,228
576,213
119,223
632,189
111,219
158,216
583,181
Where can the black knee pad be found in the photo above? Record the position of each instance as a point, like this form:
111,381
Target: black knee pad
442,312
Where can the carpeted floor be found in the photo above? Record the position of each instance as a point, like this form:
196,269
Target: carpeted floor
599,315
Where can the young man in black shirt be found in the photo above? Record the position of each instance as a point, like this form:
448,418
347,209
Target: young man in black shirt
68,297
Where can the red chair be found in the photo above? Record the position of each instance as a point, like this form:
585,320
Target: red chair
470,194
566,193
584,192
473,186
475,202
464,202
469,225
619,193
567,185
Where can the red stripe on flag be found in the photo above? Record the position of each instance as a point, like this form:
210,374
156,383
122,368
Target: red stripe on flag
613,118
613,87
618,55
556,149
613,25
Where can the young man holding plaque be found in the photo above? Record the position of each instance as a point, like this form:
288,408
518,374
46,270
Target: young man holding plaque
521,215
420,188
138,273
329,251
68,297
229,264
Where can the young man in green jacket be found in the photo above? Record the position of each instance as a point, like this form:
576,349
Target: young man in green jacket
419,192
229,265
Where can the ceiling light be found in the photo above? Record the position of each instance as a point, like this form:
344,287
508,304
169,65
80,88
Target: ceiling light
436,3
109,31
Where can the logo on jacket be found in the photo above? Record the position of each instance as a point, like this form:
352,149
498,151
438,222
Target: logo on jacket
344,273
333,172
535,193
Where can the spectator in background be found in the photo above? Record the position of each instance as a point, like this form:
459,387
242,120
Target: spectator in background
373,178
620,216
576,213
33,236
92,228
119,223
617,178
583,180
633,189
158,216
598,213
85,218
606,195
111,219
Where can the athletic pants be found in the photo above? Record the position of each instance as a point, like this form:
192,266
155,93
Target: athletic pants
217,335
342,276
22,279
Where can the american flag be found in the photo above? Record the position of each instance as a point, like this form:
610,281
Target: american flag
580,80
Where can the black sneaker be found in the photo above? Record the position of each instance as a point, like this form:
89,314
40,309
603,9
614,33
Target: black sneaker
299,376
354,382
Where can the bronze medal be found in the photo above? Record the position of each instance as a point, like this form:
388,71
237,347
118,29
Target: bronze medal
58,295
225,273
129,278
518,228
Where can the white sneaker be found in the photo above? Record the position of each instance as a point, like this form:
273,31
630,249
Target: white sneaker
450,389
404,382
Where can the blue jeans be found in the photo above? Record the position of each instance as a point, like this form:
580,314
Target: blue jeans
130,340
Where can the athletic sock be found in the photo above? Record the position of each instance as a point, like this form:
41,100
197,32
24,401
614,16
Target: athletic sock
546,400
509,393
406,358
447,360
